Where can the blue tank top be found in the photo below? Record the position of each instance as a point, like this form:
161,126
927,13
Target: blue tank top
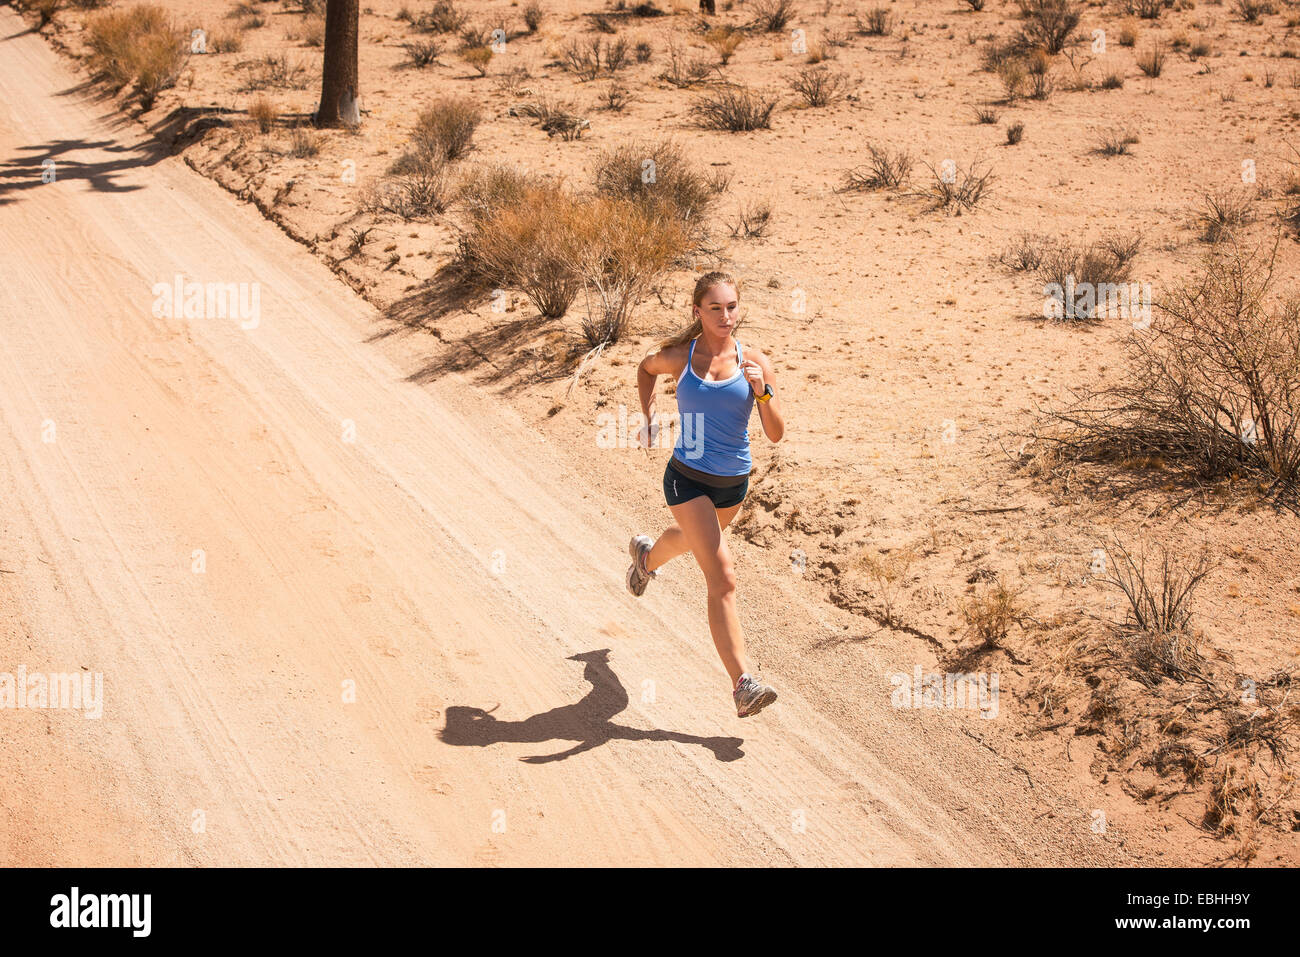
713,435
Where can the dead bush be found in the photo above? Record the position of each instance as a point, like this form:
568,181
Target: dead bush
818,86
734,109
659,175
1211,388
884,169
137,45
446,127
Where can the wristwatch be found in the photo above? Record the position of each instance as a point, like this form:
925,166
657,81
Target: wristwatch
767,394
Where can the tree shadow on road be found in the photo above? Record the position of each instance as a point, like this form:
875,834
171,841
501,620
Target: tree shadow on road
24,171
586,722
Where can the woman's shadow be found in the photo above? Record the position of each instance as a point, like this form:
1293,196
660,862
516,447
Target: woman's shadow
587,722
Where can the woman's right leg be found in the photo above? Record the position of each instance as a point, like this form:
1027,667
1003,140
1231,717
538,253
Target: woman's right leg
673,542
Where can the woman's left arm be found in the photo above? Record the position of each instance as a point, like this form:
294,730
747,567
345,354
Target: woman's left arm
759,373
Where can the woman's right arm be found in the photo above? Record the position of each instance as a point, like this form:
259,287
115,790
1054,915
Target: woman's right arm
647,373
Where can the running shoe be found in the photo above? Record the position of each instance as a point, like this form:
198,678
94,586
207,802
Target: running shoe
637,576
751,697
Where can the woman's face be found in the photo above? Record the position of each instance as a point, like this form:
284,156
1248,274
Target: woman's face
719,309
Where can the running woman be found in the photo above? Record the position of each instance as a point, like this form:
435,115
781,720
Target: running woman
707,476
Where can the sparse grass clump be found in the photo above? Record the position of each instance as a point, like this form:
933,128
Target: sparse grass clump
533,15
417,186
953,188
991,612
264,114
734,109
1115,142
303,143
137,45
1159,605
1015,133
725,40
1222,211
1151,61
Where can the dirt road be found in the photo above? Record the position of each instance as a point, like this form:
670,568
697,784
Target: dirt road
295,567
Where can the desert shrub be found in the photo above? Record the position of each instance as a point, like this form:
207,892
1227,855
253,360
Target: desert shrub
1148,9
990,613
1211,386
818,86
1048,23
660,175
225,41
976,5
1012,74
995,52
273,71
878,22
1222,211
446,127
624,249
683,71
137,45
1252,10
313,30
303,143
534,235
478,58
1015,133
417,186
555,117
443,18
423,52
771,16
587,59
1038,69
755,217
954,188
734,109
1159,601
614,96
1114,80
985,116
884,169
1098,267
1151,61
1128,34
533,15
1026,253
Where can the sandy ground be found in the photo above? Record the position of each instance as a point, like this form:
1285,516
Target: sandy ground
421,509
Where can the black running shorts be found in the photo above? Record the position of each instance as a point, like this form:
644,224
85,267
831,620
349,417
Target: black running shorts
680,488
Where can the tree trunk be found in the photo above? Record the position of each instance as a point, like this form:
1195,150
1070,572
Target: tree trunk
339,89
